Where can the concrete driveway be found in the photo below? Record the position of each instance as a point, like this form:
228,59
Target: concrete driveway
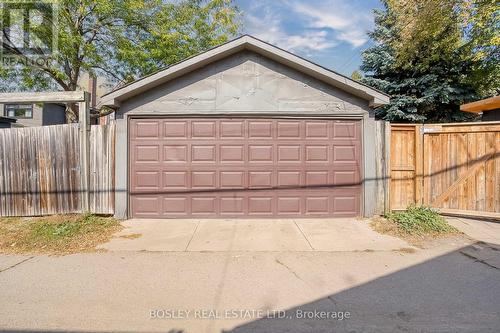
344,234
449,287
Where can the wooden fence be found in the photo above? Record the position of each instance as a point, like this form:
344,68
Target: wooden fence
40,170
452,167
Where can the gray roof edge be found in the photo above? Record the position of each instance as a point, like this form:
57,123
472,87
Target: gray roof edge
375,97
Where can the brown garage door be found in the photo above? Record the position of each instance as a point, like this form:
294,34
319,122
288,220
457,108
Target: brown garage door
230,167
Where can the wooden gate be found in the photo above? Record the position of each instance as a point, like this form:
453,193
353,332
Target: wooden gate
452,167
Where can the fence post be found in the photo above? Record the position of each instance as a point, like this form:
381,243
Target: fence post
84,121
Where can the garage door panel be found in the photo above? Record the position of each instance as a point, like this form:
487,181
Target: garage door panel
317,130
317,178
260,129
145,129
260,205
205,129
203,167
317,205
289,153
146,153
175,129
260,153
345,153
345,130
146,206
204,205
289,178
260,179
289,205
232,154
147,181
288,129
175,154
232,205
317,153
204,179
203,153
233,129
345,205
175,180
176,206
232,179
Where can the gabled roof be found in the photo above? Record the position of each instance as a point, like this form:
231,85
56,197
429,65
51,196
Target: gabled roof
246,42
487,104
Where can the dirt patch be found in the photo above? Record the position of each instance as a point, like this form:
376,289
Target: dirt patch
427,240
58,234
406,250
131,236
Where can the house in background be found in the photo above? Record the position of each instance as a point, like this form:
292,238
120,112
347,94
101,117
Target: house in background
489,108
35,114
44,114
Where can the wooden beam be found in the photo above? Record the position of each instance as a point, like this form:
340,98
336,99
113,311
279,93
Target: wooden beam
43,97
487,104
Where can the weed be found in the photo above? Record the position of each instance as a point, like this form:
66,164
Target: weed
420,220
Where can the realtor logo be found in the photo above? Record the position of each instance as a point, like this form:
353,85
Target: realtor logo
29,30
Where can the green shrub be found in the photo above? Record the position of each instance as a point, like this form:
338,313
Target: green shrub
420,220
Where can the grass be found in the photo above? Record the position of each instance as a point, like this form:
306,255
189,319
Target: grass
417,225
58,234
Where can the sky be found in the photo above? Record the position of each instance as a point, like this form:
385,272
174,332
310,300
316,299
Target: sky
331,33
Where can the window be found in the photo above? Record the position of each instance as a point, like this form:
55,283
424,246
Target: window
19,110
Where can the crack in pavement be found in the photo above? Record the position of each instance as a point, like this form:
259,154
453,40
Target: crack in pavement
470,256
289,269
17,264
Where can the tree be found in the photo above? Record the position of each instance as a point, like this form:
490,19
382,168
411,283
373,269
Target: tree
356,75
431,30
422,59
481,27
121,39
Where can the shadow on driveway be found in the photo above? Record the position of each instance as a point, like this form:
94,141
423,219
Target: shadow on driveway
456,292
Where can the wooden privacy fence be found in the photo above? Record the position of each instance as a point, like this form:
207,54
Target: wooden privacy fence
40,170
452,167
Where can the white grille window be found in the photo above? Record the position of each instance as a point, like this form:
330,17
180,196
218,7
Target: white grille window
19,110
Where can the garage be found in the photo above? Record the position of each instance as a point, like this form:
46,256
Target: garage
248,167
246,130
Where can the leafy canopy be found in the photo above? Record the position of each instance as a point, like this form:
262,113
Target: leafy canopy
432,56
123,39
